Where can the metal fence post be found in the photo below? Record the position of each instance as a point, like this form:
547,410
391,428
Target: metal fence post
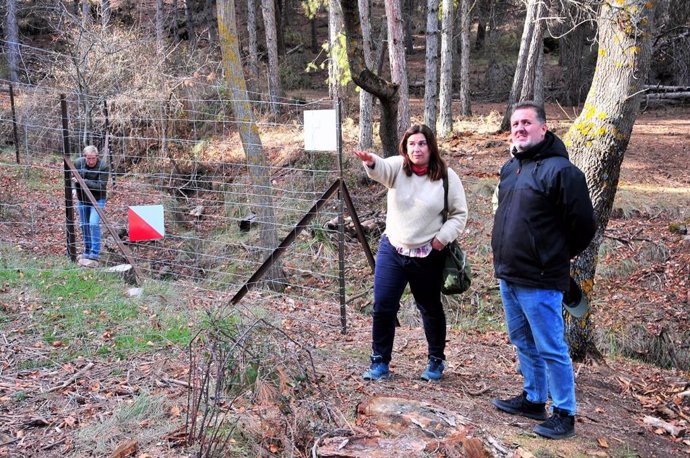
69,203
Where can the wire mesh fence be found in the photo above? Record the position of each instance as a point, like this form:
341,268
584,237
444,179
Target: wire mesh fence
185,154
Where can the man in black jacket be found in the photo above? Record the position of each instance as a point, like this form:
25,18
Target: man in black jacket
95,173
544,219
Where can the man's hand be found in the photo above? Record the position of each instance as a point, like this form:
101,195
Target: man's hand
366,157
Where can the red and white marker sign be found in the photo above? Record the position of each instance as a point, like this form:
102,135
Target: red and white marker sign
146,222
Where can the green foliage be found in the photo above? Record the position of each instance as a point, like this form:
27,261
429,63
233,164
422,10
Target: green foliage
311,7
337,53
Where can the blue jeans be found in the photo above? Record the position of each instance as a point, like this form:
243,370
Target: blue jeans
535,325
90,222
392,273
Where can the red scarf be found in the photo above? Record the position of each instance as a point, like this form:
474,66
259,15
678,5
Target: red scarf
420,170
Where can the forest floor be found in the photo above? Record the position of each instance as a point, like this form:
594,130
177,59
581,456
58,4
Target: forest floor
643,280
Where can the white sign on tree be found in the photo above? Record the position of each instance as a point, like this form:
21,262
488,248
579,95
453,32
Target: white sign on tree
319,130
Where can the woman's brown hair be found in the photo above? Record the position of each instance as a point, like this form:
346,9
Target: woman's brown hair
437,167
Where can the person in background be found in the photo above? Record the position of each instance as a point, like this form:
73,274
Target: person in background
95,173
544,219
411,250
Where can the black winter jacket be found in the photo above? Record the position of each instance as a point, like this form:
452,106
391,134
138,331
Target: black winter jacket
544,217
96,179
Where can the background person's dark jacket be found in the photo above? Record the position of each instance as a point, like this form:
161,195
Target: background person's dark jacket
544,217
96,179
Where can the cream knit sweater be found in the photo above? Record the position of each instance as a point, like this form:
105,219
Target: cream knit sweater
415,204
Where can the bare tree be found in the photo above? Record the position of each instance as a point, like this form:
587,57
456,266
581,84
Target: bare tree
189,19
209,9
336,68
366,100
535,55
159,26
465,23
525,42
409,9
577,54
86,13
274,88
12,39
249,134
598,138
105,13
385,91
396,55
446,92
253,50
431,60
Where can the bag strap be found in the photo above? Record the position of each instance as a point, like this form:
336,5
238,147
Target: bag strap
445,198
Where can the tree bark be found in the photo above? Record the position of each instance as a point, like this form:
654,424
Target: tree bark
408,6
280,30
385,91
335,66
189,19
86,14
159,26
465,23
536,49
431,60
366,100
598,138
105,13
516,88
12,39
257,164
209,9
274,87
575,56
253,50
446,92
396,56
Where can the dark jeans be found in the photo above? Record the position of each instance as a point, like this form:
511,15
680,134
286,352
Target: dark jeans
393,272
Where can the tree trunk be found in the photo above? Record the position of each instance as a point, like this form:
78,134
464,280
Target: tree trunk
431,75
105,13
598,138
209,10
274,87
253,51
366,100
539,78
189,19
446,93
516,88
483,7
159,26
335,66
465,22
280,30
12,40
536,49
408,6
249,134
575,56
396,56
86,14
176,22
385,91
